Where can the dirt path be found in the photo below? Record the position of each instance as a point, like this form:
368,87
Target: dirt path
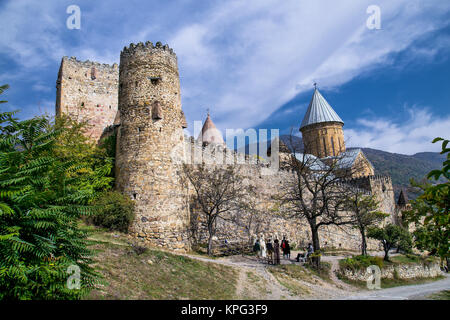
256,282
411,292
334,261
266,287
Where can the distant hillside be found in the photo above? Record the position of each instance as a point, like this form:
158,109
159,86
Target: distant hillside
400,167
403,167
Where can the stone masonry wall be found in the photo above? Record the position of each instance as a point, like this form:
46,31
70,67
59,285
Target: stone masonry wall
268,182
88,91
402,271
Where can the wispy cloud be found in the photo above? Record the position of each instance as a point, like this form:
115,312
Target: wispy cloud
414,134
242,59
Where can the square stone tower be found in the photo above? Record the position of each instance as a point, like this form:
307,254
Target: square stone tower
88,91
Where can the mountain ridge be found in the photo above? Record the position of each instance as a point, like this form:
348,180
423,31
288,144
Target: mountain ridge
400,167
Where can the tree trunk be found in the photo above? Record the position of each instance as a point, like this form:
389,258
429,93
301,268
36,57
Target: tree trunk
386,252
363,242
211,234
316,244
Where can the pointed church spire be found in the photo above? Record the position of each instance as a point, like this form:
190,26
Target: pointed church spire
210,134
319,110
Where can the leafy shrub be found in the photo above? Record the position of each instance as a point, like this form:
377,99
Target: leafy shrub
115,211
360,262
42,199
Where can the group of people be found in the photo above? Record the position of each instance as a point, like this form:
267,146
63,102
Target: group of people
271,251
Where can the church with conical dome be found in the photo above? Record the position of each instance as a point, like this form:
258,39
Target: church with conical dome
323,136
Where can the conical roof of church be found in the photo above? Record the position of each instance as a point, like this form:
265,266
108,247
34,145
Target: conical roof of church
210,134
319,110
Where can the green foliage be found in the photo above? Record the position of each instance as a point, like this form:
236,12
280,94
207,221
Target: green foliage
364,210
94,164
430,211
391,236
45,188
360,262
115,211
2,89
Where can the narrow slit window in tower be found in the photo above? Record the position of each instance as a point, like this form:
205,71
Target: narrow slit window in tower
93,73
332,146
324,146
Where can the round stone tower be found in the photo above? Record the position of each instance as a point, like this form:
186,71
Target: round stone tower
322,128
150,144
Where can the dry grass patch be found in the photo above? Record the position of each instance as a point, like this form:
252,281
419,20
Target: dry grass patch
156,274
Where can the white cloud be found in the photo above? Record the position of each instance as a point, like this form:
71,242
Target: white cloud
242,59
263,53
414,134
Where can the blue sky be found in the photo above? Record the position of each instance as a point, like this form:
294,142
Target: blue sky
253,62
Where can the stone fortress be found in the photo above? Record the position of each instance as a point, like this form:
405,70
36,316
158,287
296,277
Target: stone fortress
140,102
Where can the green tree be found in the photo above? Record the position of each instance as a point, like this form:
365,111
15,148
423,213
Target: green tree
94,163
42,198
390,236
2,89
364,209
430,211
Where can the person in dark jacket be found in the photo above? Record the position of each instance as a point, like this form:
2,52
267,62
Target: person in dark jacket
257,247
269,247
287,250
276,250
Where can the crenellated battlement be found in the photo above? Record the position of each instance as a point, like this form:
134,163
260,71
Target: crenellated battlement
147,46
89,64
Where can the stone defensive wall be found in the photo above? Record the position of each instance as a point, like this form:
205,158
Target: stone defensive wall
268,182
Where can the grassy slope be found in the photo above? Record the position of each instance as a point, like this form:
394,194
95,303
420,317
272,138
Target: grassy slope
156,274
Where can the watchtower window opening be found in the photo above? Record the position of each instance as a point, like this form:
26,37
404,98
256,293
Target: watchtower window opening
332,145
155,80
324,146
93,73
82,104
134,196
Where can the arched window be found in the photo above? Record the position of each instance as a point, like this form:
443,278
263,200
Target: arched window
324,146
